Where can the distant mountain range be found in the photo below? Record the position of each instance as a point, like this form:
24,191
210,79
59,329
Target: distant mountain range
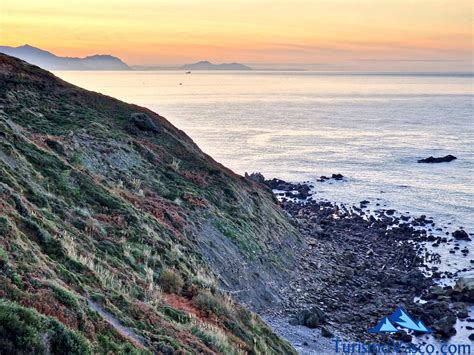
205,65
202,65
50,61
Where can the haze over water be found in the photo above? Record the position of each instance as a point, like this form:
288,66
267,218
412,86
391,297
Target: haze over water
301,125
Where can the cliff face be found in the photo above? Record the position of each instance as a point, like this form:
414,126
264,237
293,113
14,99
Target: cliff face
118,233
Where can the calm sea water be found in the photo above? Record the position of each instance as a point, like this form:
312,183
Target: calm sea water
300,125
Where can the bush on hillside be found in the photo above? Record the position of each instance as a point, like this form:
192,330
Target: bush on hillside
170,281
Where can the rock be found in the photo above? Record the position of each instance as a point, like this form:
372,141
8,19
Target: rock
465,286
311,318
143,122
407,338
337,176
463,313
403,336
317,229
55,145
312,242
413,278
303,191
277,184
445,326
256,177
435,292
326,333
461,235
300,191
445,159
471,336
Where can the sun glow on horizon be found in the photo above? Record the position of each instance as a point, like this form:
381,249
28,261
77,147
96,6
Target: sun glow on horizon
323,32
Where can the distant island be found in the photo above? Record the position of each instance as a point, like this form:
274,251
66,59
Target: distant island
50,61
202,65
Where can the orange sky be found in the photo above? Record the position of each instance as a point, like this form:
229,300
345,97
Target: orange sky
318,32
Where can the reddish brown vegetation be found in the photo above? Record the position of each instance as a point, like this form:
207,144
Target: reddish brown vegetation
196,177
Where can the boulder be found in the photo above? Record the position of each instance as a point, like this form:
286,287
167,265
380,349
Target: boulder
445,326
413,278
461,310
445,159
311,318
436,292
465,285
326,333
143,122
337,176
257,177
461,235
55,145
403,336
278,184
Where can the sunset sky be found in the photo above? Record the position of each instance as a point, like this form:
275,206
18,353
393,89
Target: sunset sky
318,34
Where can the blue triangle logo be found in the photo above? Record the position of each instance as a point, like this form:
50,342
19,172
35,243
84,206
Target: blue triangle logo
384,326
401,318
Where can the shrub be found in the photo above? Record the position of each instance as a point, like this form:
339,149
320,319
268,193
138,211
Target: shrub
171,281
25,331
213,337
66,297
176,315
209,303
3,256
4,226
48,244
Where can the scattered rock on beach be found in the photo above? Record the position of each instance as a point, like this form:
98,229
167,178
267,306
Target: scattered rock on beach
465,285
311,318
300,191
445,159
334,261
337,177
445,326
326,333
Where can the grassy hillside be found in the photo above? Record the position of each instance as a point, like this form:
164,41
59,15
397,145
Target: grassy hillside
118,234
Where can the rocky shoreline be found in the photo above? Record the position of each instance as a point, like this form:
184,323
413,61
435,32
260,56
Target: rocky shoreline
357,268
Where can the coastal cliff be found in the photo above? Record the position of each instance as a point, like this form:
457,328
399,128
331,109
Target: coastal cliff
118,234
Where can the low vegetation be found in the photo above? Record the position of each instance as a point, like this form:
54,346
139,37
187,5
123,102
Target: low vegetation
118,237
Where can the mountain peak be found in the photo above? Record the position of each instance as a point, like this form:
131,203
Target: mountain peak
48,60
207,65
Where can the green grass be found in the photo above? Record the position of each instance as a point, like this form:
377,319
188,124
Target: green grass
25,331
69,232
